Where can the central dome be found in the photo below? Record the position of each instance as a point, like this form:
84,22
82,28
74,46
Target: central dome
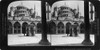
21,7
64,7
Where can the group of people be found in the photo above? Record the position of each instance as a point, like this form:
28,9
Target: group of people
28,31
72,31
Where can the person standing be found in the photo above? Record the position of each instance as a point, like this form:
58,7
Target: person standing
75,31
24,30
32,30
67,31
70,31
27,31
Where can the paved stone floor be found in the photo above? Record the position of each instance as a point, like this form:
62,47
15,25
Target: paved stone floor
54,39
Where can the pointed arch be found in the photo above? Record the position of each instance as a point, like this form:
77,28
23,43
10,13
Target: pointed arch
39,27
76,25
32,23
60,27
17,27
9,28
24,26
68,25
52,27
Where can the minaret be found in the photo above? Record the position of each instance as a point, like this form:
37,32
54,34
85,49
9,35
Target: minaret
11,11
66,4
78,11
21,4
34,7
34,12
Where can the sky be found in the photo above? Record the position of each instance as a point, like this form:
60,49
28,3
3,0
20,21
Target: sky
71,4
28,4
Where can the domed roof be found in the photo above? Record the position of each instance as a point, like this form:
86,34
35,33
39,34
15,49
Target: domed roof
65,7
21,6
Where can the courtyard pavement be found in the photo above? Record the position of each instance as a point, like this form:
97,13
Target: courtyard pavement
54,39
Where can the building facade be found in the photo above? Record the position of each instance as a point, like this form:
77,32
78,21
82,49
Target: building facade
64,17
20,17
59,21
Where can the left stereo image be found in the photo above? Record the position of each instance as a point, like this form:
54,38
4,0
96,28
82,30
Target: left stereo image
23,22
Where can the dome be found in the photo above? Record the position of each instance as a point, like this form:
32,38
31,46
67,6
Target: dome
20,7
65,7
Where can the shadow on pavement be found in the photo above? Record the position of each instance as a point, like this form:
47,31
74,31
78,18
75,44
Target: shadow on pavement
36,44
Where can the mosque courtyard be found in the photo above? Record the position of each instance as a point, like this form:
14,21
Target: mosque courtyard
54,39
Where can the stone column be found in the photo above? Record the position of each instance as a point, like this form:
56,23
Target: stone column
79,29
56,30
44,40
12,28
21,29
64,29
87,40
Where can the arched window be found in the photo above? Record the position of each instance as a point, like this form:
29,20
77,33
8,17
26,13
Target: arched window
82,27
76,24
24,26
52,28
39,27
17,28
60,27
9,28
68,27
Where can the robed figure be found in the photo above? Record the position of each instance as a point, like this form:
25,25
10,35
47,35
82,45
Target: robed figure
71,29
32,31
24,30
27,31
75,31
68,31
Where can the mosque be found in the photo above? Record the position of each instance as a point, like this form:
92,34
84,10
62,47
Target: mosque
64,17
20,16
60,20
